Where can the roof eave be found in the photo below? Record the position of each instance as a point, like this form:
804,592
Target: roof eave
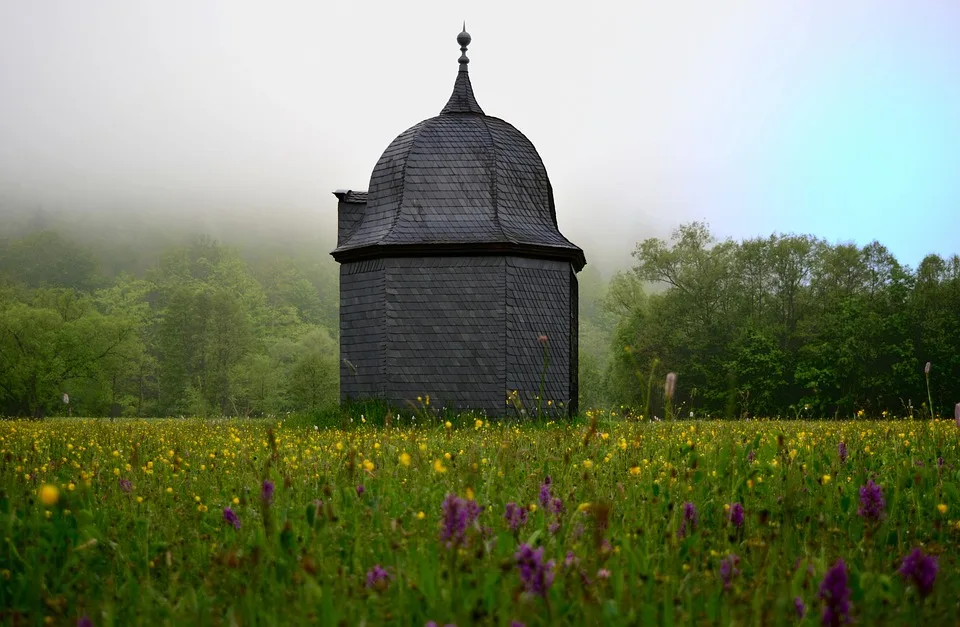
573,255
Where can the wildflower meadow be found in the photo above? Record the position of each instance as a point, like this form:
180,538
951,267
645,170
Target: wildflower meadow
422,521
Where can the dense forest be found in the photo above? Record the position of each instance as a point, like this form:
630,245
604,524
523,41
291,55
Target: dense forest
100,318
787,325
163,322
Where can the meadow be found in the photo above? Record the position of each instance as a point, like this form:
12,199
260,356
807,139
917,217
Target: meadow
602,520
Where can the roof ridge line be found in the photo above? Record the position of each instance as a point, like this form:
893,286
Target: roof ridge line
493,181
403,181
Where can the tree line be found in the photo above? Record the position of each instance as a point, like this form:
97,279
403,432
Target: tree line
787,325
201,331
154,323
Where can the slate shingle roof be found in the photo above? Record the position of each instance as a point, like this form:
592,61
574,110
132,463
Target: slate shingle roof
462,178
462,99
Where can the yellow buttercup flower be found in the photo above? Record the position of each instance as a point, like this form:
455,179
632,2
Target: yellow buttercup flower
49,494
405,459
438,466
942,508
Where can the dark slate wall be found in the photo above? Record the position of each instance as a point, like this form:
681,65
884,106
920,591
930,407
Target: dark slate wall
464,330
538,303
445,331
574,342
362,332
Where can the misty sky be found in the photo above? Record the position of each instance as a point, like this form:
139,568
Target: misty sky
836,118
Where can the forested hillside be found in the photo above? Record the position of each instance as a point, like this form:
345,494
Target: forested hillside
163,320
169,324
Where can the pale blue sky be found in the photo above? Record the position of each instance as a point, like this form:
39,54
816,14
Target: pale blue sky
840,119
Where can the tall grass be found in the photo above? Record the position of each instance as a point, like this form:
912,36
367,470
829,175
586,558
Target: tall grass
354,496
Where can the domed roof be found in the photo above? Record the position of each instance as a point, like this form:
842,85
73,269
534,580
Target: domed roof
462,182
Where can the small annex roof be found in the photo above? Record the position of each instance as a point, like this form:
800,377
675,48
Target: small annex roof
461,182
350,196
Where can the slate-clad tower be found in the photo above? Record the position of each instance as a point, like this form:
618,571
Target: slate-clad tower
452,268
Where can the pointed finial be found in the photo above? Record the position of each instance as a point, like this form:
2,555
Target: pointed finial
462,99
464,40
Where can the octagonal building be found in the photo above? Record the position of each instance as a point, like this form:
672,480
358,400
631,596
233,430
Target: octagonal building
455,281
